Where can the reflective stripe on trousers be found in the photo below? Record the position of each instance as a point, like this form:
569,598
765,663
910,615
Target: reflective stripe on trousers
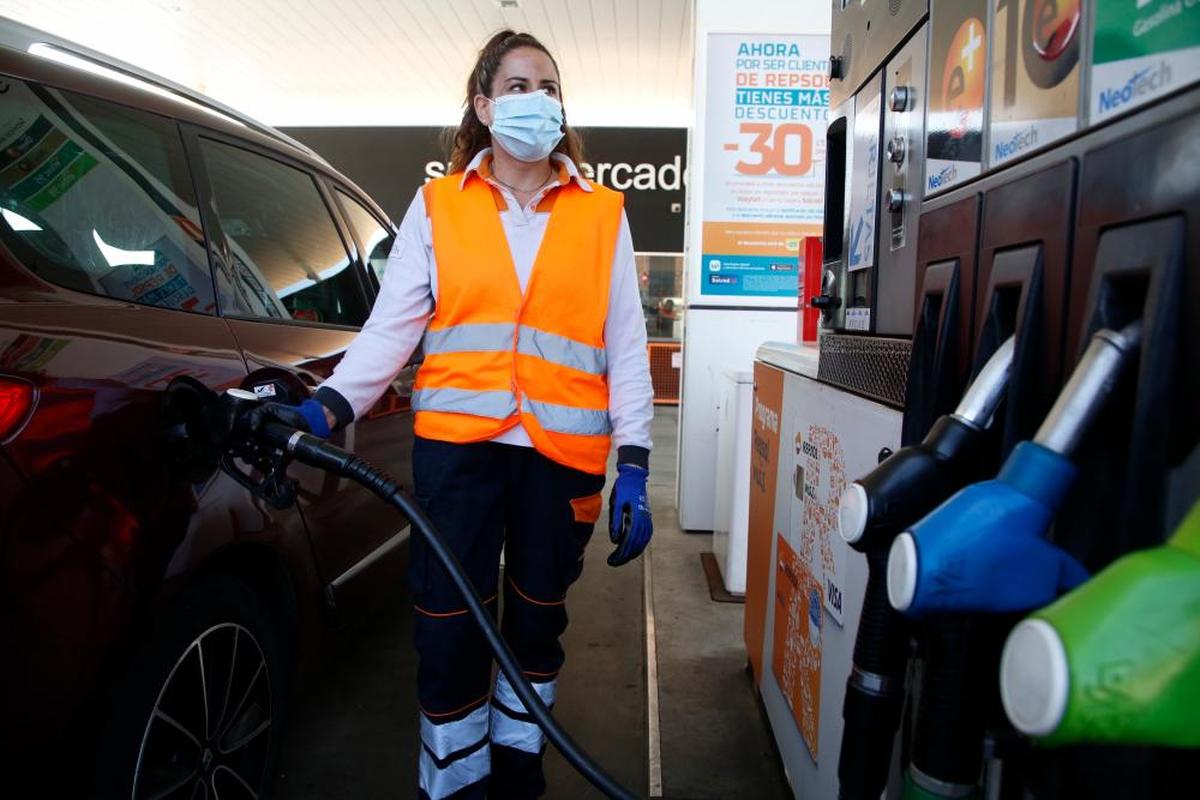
454,754
507,729
497,337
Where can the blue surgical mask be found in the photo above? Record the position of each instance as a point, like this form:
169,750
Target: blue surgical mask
528,125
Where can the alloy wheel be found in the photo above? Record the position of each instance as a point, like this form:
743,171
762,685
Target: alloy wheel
209,735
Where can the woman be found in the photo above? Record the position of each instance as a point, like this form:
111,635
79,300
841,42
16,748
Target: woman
520,274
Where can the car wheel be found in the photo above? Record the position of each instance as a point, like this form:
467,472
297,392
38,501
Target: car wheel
200,717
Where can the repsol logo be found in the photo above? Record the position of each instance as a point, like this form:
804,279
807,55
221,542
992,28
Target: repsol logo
947,175
1143,82
767,417
1021,140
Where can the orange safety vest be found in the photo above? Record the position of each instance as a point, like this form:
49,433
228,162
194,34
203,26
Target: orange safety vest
495,358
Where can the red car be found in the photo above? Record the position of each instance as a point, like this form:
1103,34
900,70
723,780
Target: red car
150,614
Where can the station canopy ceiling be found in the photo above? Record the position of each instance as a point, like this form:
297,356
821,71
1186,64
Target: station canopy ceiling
387,62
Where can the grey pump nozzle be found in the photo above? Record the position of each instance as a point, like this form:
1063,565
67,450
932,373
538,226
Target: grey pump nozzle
983,397
1094,378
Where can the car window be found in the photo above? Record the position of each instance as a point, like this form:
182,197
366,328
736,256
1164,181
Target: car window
98,197
288,259
376,239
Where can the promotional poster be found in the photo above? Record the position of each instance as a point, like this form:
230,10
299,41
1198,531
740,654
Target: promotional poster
1035,90
764,181
958,62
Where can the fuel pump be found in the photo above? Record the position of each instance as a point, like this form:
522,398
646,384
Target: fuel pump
1118,659
871,512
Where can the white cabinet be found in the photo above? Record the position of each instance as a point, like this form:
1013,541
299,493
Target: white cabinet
733,477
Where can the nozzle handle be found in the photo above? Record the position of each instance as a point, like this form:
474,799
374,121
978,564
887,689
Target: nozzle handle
1089,388
279,435
983,396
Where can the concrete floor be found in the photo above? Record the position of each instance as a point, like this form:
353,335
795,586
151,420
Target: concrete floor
354,733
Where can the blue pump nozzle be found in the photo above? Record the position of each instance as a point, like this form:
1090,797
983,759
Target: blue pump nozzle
983,550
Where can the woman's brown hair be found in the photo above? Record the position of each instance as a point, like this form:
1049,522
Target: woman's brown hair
472,135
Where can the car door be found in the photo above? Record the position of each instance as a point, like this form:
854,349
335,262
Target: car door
295,296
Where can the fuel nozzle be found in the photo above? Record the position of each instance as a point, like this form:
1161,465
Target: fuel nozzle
210,430
1118,659
983,549
912,481
905,486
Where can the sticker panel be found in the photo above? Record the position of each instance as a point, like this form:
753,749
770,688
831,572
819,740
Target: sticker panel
796,660
1034,98
1141,51
957,89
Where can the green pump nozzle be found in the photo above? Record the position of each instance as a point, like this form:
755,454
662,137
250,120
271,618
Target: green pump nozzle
1118,659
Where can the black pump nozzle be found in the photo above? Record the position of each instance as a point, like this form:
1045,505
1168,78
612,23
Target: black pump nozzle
871,513
914,480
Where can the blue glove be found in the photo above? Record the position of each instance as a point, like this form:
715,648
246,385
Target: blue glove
309,417
629,524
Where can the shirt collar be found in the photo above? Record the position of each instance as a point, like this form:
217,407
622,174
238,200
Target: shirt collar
481,165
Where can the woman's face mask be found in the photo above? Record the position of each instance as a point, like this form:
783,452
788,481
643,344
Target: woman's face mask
528,125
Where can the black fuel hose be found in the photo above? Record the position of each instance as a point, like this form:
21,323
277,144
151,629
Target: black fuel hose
316,452
874,691
947,749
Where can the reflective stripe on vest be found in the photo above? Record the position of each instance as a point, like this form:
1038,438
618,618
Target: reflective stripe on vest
493,337
562,351
479,337
501,405
568,419
498,405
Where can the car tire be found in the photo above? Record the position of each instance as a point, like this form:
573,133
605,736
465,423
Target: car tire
201,713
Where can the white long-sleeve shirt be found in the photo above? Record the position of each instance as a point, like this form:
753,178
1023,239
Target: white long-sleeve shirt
406,303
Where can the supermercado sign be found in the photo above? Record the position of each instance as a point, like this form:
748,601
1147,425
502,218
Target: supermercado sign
648,164
622,176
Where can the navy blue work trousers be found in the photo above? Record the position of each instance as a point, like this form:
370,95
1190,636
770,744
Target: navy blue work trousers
478,740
